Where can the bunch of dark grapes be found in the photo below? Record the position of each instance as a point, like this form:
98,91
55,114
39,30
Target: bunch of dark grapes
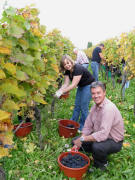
74,161
70,126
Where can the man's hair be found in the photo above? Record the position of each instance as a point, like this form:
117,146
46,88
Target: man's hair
98,84
63,60
101,44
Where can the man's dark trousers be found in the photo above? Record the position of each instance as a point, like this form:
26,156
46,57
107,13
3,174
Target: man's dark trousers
101,150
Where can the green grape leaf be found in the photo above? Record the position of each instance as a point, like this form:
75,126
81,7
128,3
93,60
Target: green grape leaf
22,76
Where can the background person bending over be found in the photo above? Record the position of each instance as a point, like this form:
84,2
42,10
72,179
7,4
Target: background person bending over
81,58
97,56
81,77
103,131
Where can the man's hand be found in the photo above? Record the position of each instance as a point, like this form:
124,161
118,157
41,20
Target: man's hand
58,93
77,142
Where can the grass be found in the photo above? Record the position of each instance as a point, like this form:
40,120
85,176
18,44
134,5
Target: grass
28,162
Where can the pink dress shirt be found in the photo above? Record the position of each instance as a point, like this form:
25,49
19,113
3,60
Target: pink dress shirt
104,122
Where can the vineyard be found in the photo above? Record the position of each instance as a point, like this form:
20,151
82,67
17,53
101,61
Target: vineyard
29,78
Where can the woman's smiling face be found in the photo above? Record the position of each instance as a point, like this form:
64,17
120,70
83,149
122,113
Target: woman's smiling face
68,65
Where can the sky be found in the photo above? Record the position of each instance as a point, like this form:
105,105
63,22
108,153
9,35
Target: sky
84,21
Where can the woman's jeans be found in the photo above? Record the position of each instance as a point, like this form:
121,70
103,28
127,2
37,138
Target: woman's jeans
85,65
81,109
95,69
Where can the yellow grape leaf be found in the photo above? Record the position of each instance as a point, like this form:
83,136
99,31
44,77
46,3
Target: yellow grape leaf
8,138
134,125
22,105
55,67
4,115
29,147
5,127
48,83
20,113
12,87
3,152
10,127
10,105
10,67
8,121
45,60
39,99
23,139
36,32
42,90
50,77
4,50
22,76
34,24
4,42
126,144
24,44
2,74
15,146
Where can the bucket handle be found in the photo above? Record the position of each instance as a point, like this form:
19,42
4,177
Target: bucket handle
18,126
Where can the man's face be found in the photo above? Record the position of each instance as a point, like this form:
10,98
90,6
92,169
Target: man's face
102,47
98,95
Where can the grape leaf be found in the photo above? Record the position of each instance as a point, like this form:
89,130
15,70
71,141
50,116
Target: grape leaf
4,115
2,74
22,76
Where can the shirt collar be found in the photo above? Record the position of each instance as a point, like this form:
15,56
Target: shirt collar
102,104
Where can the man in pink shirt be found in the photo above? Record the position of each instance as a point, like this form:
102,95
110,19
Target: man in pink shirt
103,131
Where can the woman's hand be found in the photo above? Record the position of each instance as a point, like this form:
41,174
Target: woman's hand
58,93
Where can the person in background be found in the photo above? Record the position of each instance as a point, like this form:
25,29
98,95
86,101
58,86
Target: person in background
80,77
97,56
103,131
81,58
124,77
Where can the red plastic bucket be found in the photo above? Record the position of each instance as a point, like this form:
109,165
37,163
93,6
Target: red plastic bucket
23,130
64,96
76,173
67,131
